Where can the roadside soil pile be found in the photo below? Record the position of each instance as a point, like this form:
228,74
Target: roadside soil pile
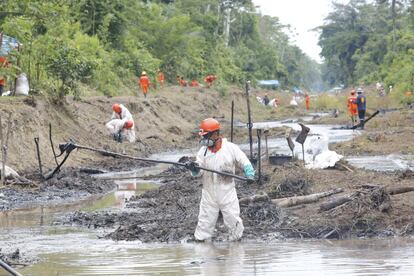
169,214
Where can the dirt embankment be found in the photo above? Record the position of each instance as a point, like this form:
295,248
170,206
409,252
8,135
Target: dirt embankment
166,120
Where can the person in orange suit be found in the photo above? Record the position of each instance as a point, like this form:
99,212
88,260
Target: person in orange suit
194,83
183,82
3,63
352,106
307,101
144,83
209,79
160,78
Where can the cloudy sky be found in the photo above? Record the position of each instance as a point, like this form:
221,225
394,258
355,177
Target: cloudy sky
302,15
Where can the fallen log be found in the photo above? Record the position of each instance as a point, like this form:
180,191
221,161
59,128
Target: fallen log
400,190
344,199
334,203
296,200
253,198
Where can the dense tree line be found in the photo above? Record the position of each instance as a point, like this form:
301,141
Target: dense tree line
365,42
105,44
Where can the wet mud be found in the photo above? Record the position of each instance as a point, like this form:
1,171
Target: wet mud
70,185
169,213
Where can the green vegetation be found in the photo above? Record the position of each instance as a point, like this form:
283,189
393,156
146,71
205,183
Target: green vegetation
104,45
365,42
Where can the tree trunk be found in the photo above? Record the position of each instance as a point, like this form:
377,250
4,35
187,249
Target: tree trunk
296,200
400,190
334,203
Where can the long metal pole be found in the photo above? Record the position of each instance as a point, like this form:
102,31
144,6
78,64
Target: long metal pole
9,269
249,119
232,121
303,153
3,155
158,161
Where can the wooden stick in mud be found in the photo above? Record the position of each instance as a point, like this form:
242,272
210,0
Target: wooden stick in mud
249,119
4,147
3,158
296,200
232,121
344,166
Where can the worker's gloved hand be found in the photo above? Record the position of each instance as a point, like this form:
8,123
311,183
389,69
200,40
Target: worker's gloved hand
193,167
249,171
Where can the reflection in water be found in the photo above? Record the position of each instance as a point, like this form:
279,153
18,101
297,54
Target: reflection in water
382,163
83,255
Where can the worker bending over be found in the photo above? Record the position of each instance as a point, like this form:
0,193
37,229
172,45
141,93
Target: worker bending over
121,125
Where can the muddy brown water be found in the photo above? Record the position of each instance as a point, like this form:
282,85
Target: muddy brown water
74,251
64,250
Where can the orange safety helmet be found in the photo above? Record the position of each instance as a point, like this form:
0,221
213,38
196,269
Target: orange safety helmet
208,125
116,108
129,124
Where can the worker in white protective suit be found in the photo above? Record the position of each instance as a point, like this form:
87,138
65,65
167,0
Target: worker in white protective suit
122,125
121,130
219,192
120,112
320,157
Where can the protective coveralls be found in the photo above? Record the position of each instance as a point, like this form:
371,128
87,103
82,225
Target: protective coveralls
117,126
219,192
361,102
352,106
319,156
307,101
3,63
293,101
124,114
144,83
160,78
209,79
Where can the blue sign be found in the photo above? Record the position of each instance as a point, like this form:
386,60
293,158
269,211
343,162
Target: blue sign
8,44
268,82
